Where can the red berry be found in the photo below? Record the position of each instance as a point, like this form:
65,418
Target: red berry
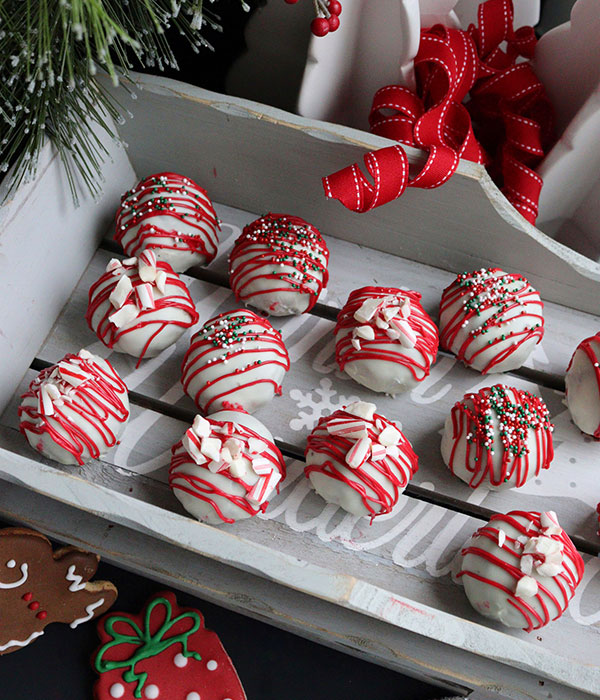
291,2
319,26
335,7
334,23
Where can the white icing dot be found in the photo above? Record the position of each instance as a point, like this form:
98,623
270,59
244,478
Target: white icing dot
11,563
180,661
151,691
117,690
212,665
192,696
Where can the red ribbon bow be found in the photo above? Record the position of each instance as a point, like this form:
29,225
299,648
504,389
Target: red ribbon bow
507,102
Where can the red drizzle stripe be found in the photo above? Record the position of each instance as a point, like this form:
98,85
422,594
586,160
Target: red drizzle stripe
567,581
271,241
397,472
230,336
169,195
177,298
480,291
205,490
92,402
419,321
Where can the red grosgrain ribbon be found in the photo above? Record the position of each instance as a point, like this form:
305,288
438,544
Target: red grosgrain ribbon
507,103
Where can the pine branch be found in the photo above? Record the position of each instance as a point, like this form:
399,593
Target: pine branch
50,54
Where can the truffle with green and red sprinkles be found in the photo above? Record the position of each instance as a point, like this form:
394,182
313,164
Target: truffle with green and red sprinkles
171,215
491,320
499,437
279,265
237,360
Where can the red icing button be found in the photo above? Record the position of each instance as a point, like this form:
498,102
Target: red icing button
42,615
27,597
34,606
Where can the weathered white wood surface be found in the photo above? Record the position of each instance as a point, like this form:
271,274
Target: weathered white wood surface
334,563
314,386
45,245
266,601
258,158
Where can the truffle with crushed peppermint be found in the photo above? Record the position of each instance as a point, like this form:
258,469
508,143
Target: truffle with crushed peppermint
385,340
279,265
140,306
237,360
499,437
171,215
75,410
359,460
520,569
226,467
583,386
491,320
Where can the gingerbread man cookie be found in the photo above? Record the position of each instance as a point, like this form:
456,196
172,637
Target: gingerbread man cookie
163,653
39,586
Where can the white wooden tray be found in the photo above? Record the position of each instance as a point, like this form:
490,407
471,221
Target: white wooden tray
395,572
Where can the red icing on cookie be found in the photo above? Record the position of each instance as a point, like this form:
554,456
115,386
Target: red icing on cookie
385,475
96,394
269,245
563,584
424,337
183,202
164,653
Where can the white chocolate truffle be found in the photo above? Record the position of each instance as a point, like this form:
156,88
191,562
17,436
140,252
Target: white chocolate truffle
140,306
498,438
279,265
171,215
359,460
491,320
521,569
583,386
225,468
75,410
385,340
237,360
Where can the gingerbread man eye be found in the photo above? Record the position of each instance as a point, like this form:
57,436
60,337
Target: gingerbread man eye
11,563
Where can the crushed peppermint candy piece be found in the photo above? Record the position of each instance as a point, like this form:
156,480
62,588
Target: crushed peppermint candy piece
356,343
226,455
228,428
238,468
161,281
389,312
351,429
130,262
526,564
263,487
201,427
365,332
216,466
501,538
121,292
191,443
408,338
261,465
124,315
113,265
362,409
211,448
234,446
147,266
85,354
367,310
359,453
45,405
256,445
72,373
527,587
549,523
389,436
145,296
381,323
378,452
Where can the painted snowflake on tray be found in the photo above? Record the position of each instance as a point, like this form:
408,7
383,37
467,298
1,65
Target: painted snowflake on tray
319,402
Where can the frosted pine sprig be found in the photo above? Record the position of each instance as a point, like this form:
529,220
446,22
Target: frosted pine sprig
50,54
